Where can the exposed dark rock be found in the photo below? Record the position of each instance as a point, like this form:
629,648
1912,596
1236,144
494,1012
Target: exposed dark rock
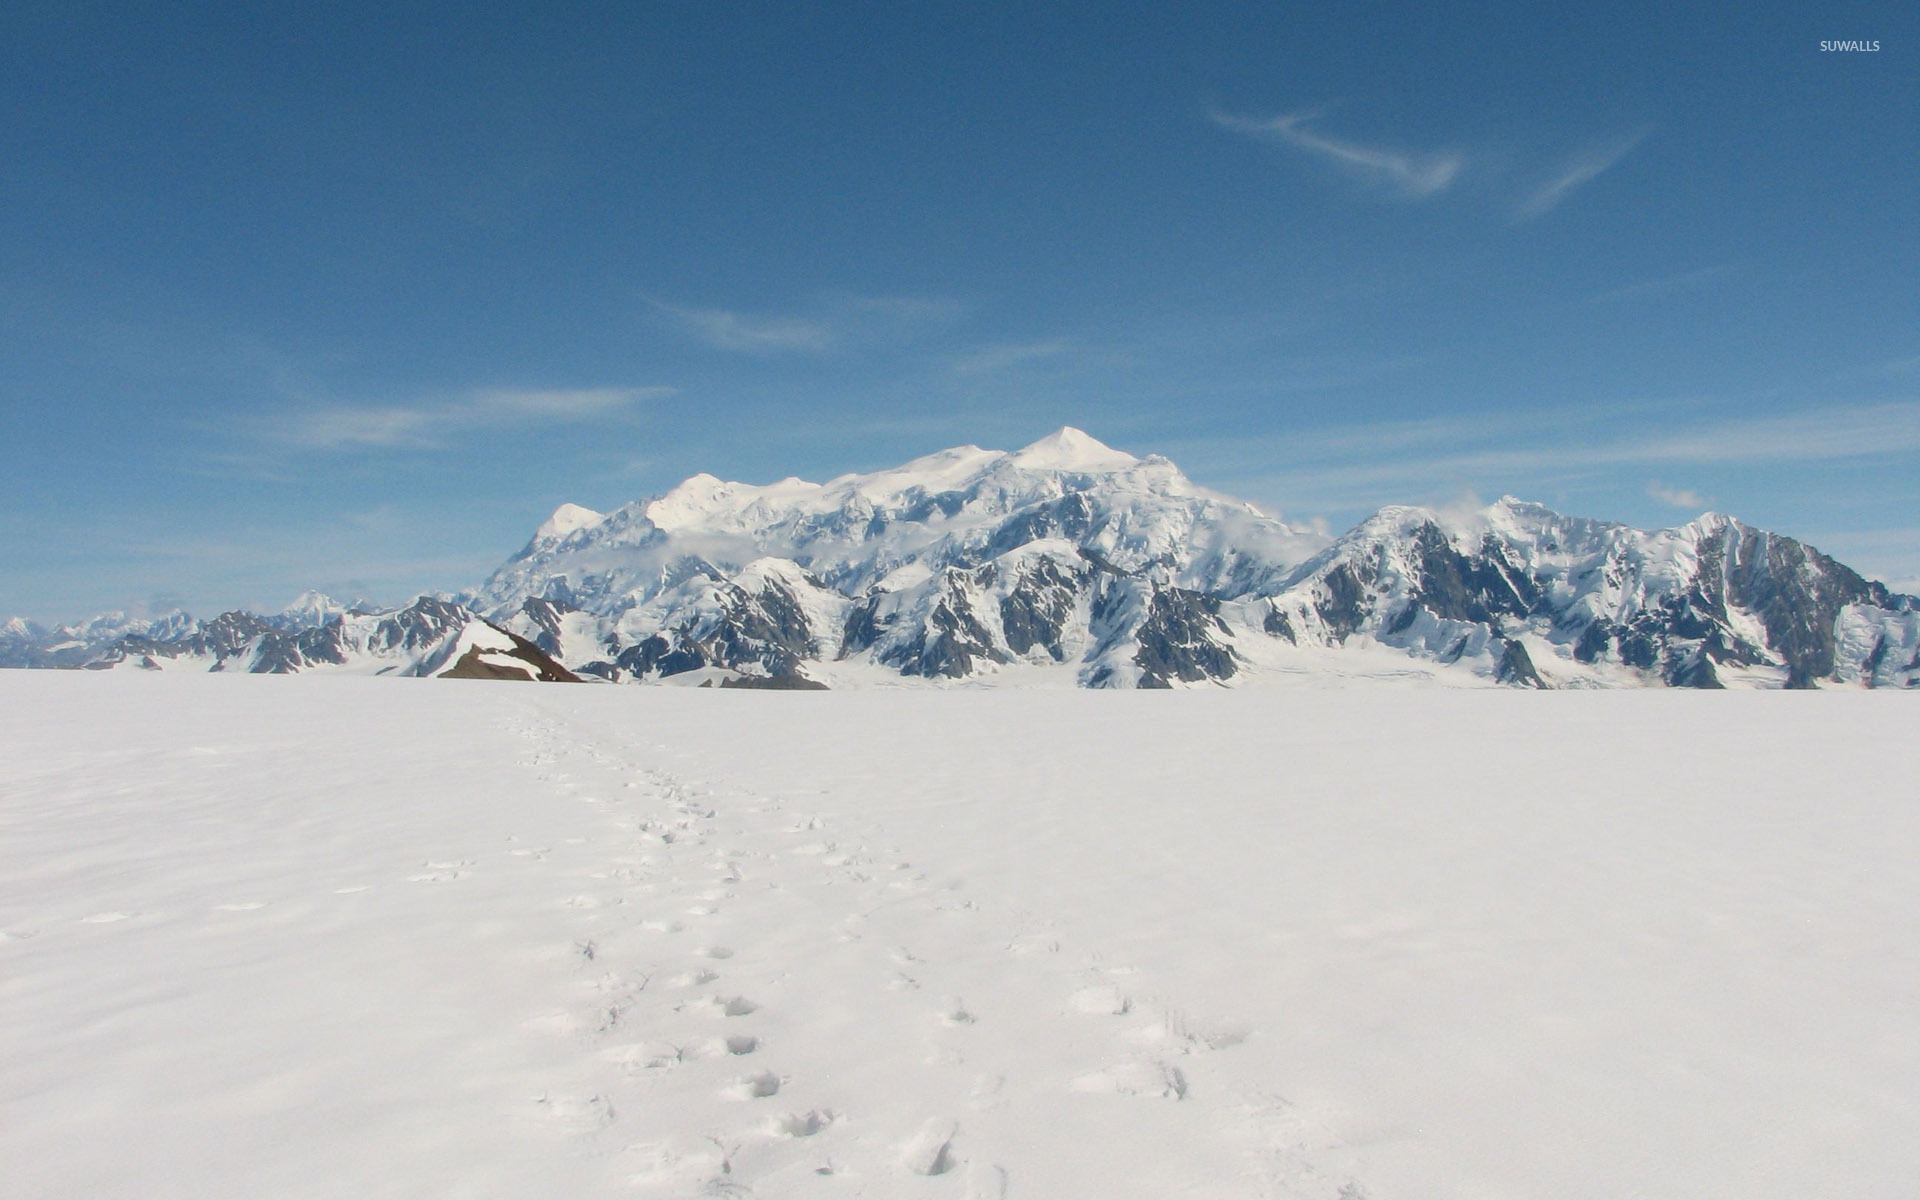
1795,591
768,630
1694,671
1342,601
1596,640
1870,666
1278,625
1516,667
952,640
1035,612
1183,638
538,666
775,683
862,628
545,614
1456,588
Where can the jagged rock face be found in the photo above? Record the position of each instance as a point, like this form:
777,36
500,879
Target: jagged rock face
950,642
714,622
1036,613
499,655
1480,589
1797,593
1516,667
545,616
1680,607
1182,638
228,637
1751,599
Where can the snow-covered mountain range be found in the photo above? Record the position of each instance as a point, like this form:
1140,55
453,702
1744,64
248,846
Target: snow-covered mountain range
1071,563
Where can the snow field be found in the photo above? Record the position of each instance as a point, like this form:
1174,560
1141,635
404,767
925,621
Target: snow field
324,937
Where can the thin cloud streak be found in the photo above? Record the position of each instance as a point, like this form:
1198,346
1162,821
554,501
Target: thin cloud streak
1662,286
1581,170
724,329
424,426
989,360
834,321
1674,497
1328,465
1414,176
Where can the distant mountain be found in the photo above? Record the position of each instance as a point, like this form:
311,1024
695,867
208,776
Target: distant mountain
25,643
428,637
1071,563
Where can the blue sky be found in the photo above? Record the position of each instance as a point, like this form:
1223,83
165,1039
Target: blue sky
351,296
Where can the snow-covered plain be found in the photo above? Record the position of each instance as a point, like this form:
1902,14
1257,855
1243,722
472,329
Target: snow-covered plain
333,937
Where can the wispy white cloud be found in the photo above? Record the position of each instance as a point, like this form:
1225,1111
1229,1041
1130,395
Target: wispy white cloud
1413,175
349,427
1664,285
1839,432
1365,465
1005,356
832,321
746,333
1675,497
1577,172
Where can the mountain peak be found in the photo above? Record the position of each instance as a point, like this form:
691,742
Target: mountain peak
1070,449
566,519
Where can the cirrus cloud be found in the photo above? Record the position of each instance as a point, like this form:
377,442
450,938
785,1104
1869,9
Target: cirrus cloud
427,425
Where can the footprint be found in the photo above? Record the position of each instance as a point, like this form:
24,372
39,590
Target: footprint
348,891
757,1086
727,1006
801,1125
559,1023
649,1056
1102,999
714,952
694,978
741,1043
954,1012
986,1181
1136,1079
930,1152
677,1159
441,872
582,1114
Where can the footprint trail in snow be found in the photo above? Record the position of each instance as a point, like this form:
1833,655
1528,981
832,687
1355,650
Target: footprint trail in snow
771,1000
